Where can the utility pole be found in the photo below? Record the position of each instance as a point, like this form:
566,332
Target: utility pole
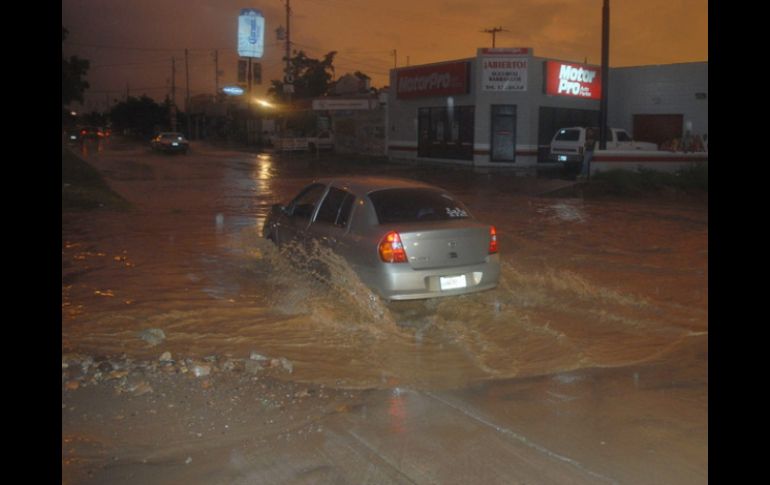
395,58
288,76
216,72
605,75
172,108
187,96
494,32
249,76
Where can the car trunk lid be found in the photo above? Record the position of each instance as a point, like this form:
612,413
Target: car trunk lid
446,244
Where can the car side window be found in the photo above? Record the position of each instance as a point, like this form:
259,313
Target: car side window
623,136
304,204
336,208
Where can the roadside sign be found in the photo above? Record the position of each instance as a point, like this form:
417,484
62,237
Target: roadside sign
251,33
233,90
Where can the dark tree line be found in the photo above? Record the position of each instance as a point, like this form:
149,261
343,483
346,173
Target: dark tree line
312,77
140,116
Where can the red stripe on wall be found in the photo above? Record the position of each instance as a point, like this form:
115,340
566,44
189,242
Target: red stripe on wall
523,153
635,159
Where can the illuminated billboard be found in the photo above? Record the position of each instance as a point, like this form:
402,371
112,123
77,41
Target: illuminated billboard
233,90
576,80
251,33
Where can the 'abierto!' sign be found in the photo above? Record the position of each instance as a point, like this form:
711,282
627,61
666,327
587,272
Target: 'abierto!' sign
576,80
504,70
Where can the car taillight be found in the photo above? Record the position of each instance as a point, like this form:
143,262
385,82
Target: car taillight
391,249
492,240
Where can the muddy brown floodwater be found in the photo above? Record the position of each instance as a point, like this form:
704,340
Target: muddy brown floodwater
591,355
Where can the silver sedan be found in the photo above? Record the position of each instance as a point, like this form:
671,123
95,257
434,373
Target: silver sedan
404,239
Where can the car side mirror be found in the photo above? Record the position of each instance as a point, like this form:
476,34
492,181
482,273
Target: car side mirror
280,208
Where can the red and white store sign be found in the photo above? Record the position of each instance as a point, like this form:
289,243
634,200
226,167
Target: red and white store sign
436,80
504,51
576,80
504,73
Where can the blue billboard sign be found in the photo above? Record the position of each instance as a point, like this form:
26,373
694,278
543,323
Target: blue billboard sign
251,33
233,90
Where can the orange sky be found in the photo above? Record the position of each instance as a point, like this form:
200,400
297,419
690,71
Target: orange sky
130,43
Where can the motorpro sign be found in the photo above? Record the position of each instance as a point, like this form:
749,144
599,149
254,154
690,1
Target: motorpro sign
433,80
575,80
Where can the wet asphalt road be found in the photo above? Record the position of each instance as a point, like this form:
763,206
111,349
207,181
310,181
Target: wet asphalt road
587,365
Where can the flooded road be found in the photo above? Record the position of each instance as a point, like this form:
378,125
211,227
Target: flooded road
601,304
585,284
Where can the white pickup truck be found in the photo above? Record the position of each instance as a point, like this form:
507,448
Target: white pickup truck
569,145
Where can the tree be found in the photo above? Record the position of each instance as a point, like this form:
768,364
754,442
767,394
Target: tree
73,72
312,77
142,116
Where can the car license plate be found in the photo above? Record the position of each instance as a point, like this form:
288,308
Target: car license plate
452,282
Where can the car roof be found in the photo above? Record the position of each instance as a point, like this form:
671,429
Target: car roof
368,183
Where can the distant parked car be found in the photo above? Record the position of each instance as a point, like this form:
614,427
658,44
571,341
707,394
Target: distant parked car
324,140
170,142
91,132
73,135
404,239
571,144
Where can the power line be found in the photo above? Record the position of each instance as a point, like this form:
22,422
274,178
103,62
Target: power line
494,32
133,48
130,64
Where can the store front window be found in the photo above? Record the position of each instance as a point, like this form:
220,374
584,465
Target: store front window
446,132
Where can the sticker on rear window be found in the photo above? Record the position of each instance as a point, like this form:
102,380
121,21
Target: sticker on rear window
456,212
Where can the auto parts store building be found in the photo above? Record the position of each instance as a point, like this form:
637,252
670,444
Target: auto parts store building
502,107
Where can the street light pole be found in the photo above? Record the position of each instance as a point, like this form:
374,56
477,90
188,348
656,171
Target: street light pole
187,94
605,75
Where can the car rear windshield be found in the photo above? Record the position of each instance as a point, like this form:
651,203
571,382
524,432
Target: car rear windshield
418,204
568,135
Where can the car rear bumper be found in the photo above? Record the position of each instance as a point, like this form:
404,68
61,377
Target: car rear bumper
401,282
170,148
566,158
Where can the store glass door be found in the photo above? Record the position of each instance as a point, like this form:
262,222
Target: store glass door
503,133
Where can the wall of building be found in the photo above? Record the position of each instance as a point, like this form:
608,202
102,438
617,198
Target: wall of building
664,89
402,115
359,132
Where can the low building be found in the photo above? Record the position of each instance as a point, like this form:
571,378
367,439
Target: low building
356,116
662,103
502,107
